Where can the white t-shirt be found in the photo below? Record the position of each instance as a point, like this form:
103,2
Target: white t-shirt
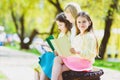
86,45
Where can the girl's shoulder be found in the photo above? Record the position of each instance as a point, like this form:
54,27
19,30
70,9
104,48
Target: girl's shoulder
90,35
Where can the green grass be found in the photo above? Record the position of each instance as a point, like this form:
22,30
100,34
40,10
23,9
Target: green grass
106,64
17,47
33,51
2,76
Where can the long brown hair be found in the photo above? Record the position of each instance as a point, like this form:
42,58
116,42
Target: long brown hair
90,27
62,18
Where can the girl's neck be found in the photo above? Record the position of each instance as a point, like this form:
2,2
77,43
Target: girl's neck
82,33
64,32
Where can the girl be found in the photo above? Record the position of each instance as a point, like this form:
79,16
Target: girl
71,10
46,60
84,48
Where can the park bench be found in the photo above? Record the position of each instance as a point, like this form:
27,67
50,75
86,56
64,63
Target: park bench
83,75
74,75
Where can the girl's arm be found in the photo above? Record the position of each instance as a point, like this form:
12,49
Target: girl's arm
55,52
88,50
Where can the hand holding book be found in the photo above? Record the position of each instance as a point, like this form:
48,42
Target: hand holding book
72,50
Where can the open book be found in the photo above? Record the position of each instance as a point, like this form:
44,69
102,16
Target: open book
62,46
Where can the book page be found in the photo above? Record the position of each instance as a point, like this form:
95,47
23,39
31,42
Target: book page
62,46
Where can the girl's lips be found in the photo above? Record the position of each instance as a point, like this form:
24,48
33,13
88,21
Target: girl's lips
82,26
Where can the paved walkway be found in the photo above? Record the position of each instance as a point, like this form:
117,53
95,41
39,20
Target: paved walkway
110,74
17,65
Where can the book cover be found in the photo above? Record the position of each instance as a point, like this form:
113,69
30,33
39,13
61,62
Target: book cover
62,46
49,42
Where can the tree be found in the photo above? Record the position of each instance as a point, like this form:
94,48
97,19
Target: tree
19,12
21,31
108,23
19,22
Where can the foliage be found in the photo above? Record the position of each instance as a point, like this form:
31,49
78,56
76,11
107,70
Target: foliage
106,64
40,13
33,51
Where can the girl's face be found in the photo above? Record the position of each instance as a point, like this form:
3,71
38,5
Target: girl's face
69,16
61,26
82,24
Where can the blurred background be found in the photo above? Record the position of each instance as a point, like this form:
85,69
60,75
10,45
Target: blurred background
25,23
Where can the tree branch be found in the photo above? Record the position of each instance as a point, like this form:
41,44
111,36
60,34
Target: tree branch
22,26
52,2
57,5
15,22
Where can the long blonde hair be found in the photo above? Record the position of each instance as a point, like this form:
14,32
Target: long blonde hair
74,8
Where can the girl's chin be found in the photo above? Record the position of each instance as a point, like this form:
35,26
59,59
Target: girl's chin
82,30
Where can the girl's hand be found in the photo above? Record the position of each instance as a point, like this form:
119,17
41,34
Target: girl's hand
72,50
56,53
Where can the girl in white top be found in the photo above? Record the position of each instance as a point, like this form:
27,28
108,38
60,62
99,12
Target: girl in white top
84,49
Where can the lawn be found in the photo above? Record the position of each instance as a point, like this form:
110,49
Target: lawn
2,76
17,47
106,64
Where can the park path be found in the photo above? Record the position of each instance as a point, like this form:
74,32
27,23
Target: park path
110,74
18,65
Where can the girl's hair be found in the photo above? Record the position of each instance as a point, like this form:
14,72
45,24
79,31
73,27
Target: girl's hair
74,8
90,27
62,18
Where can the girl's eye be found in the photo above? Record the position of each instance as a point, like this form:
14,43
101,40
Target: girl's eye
84,21
59,25
79,22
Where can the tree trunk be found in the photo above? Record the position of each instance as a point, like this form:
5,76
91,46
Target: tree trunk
108,24
21,31
26,45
